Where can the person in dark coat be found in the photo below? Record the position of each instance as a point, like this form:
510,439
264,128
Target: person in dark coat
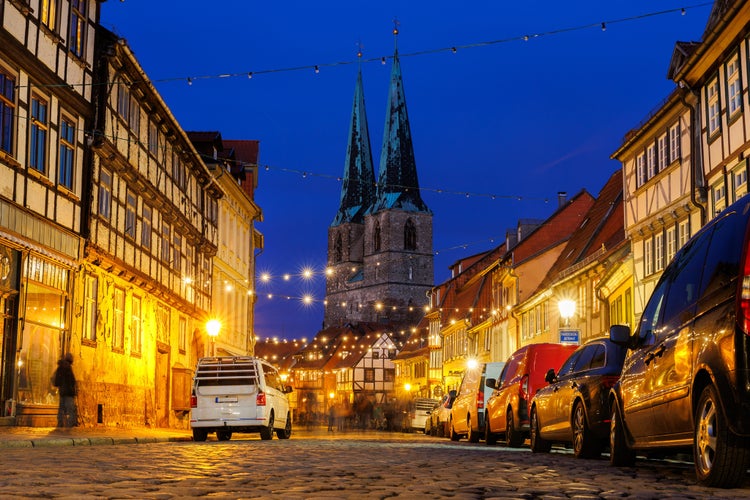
65,381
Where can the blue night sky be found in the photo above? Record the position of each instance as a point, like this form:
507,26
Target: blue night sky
517,119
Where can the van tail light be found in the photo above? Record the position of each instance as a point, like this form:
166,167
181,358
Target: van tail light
610,381
260,399
480,399
524,393
193,401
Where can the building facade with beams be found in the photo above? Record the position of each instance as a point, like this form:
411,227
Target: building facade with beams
687,160
46,75
380,256
234,165
151,225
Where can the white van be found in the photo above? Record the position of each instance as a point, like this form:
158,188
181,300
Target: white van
238,394
419,412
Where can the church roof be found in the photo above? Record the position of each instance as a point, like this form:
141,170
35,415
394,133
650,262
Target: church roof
398,186
358,189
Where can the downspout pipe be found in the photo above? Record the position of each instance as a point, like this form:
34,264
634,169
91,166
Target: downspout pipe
697,182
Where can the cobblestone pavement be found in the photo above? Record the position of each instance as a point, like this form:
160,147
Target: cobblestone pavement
321,465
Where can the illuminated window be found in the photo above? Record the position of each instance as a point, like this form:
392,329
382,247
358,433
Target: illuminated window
734,86
90,307
136,335
77,32
48,13
105,194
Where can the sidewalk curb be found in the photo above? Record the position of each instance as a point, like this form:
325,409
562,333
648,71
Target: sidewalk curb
88,441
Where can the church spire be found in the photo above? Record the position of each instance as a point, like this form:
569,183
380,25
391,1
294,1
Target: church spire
398,186
358,188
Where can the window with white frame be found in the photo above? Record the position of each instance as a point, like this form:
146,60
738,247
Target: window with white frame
674,143
670,243
146,227
130,210
136,334
7,110
658,252
166,243
663,152
105,194
177,253
118,320
683,233
719,197
153,138
90,306
739,183
67,147
651,161
648,263
734,86
640,170
713,106
38,135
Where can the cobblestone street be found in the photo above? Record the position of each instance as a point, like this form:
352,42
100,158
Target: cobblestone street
348,465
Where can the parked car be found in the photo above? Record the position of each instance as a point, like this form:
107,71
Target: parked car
523,375
419,413
238,394
685,382
574,407
440,416
467,411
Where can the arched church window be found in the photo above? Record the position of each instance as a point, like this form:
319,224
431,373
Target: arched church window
410,235
337,249
376,237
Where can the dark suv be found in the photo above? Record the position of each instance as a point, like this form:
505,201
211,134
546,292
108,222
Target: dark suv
686,378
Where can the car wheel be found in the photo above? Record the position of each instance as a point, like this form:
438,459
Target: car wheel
223,435
584,445
454,435
489,437
471,434
720,457
538,444
286,432
619,453
513,438
267,432
200,435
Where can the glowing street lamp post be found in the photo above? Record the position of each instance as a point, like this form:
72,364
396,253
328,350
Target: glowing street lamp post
213,327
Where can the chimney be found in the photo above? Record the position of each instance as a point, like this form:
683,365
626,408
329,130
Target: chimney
562,197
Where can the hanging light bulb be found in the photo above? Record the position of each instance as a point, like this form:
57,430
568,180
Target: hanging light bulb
190,81
683,11
317,69
250,75
604,26
382,60
453,49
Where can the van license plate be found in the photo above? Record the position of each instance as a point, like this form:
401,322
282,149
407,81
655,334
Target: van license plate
226,399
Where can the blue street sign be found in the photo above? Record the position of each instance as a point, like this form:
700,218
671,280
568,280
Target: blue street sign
570,336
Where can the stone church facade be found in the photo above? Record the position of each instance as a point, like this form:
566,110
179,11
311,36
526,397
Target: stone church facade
380,252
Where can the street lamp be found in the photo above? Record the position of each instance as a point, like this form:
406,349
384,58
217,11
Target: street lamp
567,309
212,328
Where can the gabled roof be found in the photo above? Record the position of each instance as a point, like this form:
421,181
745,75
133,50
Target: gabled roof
279,353
555,230
601,231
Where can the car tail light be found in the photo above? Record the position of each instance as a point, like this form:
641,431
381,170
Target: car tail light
744,312
524,392
193,401
609,382
480,399
260,399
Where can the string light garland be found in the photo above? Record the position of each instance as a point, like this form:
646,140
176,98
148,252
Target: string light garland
316,68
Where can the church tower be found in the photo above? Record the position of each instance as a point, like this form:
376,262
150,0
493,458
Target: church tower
380,244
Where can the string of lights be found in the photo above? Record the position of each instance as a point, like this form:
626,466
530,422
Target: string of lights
453,49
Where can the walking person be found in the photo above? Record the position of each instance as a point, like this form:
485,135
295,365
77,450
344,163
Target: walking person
65,381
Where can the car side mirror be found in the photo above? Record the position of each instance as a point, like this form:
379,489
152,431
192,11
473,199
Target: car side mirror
490,382
620,334
550,377
288,389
